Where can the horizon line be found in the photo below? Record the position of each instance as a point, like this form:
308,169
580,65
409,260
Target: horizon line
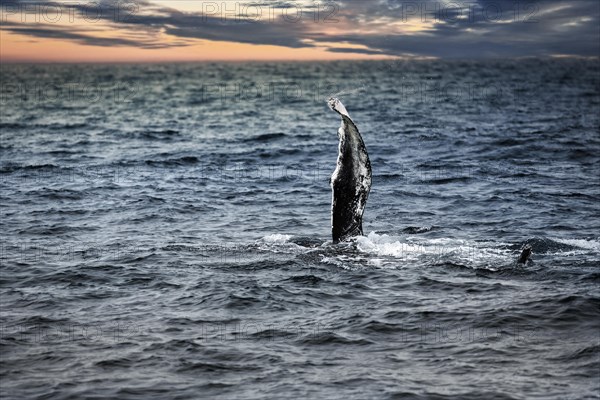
275,60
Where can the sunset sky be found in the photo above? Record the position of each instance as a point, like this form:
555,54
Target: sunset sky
190,30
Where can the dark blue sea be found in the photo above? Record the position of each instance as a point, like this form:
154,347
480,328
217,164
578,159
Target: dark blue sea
166,231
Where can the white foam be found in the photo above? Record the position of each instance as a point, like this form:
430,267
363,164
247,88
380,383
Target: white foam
376,262
592,244
385,245
423,250
276,238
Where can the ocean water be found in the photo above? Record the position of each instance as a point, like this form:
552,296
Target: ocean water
166,231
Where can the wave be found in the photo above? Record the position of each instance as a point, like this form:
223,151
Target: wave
276,238
266,137
398,251
185,160
163,134
438,250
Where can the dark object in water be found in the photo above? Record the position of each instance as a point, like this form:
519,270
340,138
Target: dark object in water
525,254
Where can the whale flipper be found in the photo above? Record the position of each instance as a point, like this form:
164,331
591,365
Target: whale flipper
351,180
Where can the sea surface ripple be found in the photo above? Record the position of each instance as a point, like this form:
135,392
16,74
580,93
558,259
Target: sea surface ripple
166,231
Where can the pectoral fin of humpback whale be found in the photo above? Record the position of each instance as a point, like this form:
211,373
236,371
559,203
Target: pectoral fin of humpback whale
351,180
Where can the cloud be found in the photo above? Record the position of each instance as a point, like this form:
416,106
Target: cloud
449,29
488,29
352,50
48,31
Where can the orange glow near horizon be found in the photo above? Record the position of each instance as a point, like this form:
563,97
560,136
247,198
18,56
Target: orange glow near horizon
18,48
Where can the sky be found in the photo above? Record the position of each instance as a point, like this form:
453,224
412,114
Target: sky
196,30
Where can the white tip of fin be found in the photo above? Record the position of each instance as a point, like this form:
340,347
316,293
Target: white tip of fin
336,105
